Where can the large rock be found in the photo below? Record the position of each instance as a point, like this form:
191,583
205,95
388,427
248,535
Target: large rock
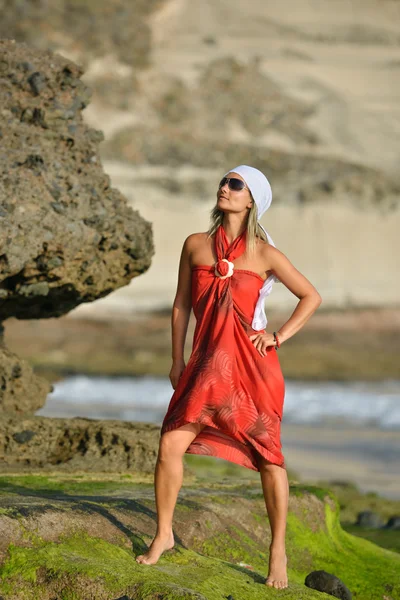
83,444
68,536
66,235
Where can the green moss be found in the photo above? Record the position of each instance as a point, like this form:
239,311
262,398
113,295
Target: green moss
231,548
75,554
368,571
70,485
6,511
386,538
219,471
362,566
211,468
181,574
352,501
300,489
259,518
211,568
216,499
181,506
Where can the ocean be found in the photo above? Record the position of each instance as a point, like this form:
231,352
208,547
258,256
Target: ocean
359,403
343,431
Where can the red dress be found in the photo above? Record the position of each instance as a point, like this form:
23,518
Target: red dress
227,385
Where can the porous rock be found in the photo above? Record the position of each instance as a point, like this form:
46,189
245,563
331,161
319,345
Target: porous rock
66,235
21,390
69,445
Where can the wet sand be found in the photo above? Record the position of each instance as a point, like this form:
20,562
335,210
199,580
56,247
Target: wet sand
368,457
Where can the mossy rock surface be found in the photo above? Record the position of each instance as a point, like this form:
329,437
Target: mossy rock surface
76,538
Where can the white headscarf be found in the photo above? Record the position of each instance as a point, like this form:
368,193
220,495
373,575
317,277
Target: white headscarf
260,189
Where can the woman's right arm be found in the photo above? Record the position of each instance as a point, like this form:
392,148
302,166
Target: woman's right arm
181,313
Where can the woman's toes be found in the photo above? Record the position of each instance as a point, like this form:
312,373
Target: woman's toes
276,583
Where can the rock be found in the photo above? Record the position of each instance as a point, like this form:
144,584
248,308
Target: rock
328,583
24,436
65,191
343,483
393,522
21,390
80,534
368,518
70,444
66,235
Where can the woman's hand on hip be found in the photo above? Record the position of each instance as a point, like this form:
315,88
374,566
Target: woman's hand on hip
261,341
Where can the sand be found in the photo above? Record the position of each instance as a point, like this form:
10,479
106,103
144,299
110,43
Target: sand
368,457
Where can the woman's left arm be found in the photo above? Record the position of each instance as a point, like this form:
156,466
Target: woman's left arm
300,286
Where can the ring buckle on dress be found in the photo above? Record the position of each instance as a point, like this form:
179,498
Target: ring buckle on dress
228,273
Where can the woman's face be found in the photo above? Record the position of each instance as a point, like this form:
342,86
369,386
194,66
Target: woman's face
232,201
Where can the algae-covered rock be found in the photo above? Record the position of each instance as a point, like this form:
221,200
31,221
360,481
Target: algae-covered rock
70,535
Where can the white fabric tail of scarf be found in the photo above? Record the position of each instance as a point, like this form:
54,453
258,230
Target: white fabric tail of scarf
260,318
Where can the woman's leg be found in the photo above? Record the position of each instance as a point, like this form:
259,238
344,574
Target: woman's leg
168,478
275,487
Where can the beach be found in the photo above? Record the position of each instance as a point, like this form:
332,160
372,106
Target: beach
367,457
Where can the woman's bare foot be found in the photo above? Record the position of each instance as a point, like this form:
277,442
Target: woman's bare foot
277,575
159,545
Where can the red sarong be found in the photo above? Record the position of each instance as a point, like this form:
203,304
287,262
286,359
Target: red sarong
227,385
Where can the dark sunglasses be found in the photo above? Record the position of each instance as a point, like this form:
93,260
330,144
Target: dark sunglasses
234,183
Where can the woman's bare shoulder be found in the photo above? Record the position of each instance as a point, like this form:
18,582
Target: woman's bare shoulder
269,254
194,239
268,250
263,247
199,235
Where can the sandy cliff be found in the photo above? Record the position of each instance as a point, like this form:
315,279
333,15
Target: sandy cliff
307,91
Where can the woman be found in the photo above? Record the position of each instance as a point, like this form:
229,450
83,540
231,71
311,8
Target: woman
228,399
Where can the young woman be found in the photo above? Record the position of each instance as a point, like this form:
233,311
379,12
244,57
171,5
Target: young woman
228,399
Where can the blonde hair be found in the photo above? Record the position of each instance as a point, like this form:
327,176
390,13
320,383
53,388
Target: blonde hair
253,228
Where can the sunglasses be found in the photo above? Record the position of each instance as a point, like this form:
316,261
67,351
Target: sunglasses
234,183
